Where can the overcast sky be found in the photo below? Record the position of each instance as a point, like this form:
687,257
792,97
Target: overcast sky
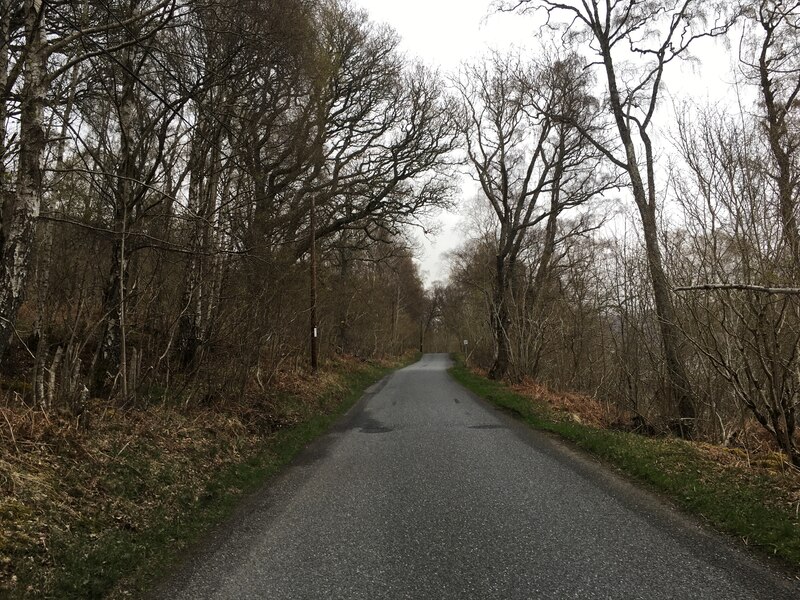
444,33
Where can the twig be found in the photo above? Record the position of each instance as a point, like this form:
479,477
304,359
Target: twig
739,286
11,430
128,443
19,337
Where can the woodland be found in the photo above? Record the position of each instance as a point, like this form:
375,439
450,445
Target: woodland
629,241
199,196
207,240
175,172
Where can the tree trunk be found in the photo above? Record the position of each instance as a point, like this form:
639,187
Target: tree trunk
343,305
678,386
203,189
500,322
107,359
777,134
44,255
110,357
314,338
396,300
792,451
680,390
20,209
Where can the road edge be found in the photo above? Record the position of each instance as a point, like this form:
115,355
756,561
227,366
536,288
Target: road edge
266,494
639,494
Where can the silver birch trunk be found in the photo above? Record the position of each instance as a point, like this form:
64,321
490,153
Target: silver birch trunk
21,208
678,385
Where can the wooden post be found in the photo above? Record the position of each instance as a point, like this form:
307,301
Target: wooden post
314,333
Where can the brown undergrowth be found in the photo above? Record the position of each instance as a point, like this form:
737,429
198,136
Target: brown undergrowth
68,490
758,454
581,408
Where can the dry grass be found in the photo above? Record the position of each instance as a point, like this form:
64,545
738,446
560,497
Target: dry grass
112,478
55,478
581,408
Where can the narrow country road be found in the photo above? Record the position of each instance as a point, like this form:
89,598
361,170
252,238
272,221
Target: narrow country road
423,491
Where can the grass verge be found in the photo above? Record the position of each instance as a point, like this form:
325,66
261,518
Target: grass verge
103,513
758,503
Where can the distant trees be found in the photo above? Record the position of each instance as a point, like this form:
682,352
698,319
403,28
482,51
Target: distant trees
530,162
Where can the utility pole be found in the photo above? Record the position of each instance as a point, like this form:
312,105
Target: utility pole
314,336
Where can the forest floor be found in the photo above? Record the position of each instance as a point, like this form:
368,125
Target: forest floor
102,510
751,495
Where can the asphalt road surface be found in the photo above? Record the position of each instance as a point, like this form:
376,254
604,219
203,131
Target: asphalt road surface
424,491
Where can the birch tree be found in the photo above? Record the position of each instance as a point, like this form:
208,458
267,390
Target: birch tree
42,41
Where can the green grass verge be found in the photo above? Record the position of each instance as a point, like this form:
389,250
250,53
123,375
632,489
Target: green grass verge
123,562
757,506
162,545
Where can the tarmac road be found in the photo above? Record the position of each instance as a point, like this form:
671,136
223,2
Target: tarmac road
424,491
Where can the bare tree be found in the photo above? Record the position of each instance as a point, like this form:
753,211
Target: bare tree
251,117
37,50
520,155
745,326
773,61
25,73
641,38
385,131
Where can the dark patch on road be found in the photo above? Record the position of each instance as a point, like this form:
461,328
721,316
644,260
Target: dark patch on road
488,427
369,425
378,429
